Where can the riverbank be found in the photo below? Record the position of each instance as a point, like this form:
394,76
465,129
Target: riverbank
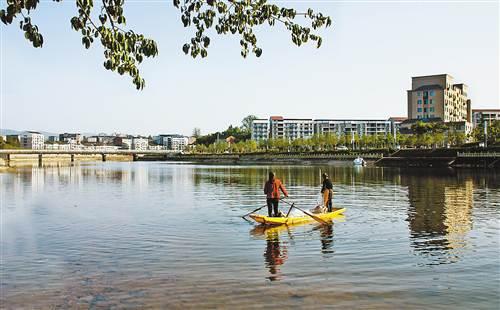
457,157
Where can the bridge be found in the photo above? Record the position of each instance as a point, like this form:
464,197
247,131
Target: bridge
7,154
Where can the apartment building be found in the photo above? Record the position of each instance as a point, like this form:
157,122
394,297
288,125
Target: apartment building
123,142
278,127
72,138
396,123
32,140
53,139
484,115
437,96
260,129
350,127
290,128
140,143
174,142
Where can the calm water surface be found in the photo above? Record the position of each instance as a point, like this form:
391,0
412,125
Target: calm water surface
116,235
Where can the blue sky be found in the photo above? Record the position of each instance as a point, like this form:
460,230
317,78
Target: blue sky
362,70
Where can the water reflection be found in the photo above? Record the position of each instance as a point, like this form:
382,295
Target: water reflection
276,250
142,235
439,216
326,234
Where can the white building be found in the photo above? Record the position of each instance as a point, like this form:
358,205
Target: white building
484,115
173,142
290,128
278,127
349,127
260,129
140,143
32,140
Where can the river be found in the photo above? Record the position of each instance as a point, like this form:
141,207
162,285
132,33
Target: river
170,235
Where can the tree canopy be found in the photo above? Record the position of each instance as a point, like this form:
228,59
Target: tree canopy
124,49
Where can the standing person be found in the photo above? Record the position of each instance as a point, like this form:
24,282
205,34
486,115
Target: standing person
272,190
327,191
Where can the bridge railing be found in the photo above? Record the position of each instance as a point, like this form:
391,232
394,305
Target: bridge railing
478,154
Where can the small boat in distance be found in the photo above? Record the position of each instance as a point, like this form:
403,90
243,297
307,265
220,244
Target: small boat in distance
359,162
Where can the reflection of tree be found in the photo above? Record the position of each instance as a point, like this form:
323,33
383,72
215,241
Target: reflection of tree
275,254
439,215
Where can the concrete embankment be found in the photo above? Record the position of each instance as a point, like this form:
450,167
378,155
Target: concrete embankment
485,158
269,158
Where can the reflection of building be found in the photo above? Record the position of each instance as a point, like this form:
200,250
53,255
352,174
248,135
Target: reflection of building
439,216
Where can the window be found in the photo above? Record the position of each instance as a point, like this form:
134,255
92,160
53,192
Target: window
419,110
419,101
419,94
431,109
430,101
425,101
432,93
418,116
432,115
425,109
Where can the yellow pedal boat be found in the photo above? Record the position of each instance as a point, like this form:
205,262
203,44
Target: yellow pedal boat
266,220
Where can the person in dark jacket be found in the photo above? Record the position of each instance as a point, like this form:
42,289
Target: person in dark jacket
327,191
272,190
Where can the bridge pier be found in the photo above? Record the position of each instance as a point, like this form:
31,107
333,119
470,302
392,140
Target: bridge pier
40,160
135,157
103,157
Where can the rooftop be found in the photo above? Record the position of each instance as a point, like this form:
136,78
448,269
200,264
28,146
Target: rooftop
486,110
428,87
432,75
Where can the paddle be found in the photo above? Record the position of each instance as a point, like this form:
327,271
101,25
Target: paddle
309,214
254,211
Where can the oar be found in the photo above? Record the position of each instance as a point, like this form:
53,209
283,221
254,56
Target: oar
309,214
254,211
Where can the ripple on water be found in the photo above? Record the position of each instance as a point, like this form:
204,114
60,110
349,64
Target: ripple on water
156,235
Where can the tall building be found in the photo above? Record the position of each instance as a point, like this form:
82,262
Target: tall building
436,96
32,140
481,115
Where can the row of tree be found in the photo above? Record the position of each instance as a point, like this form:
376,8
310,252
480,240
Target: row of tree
240,134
